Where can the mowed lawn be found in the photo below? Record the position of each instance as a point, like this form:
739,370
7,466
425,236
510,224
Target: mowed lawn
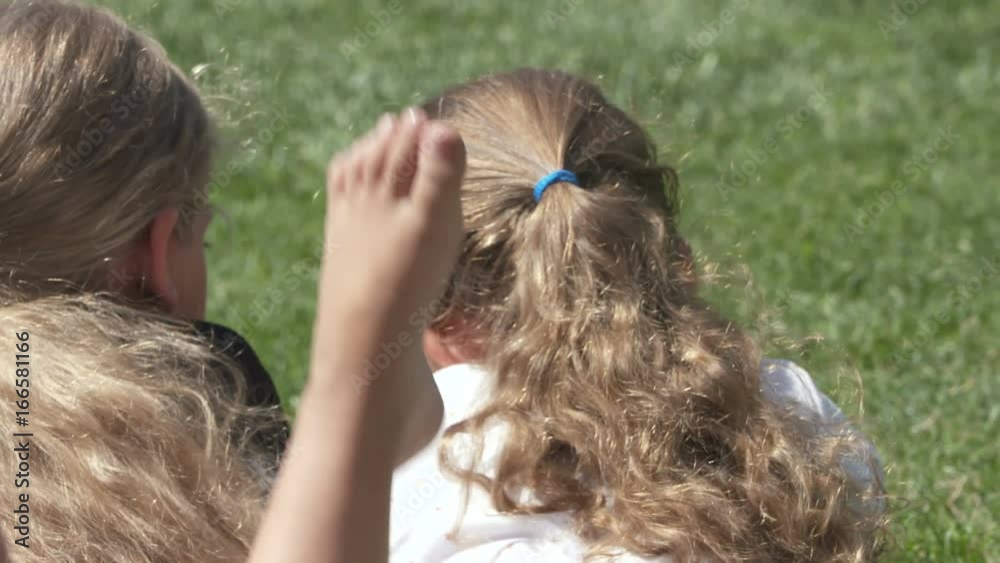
838,158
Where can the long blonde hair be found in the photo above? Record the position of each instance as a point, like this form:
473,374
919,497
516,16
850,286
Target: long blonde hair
99,131
627,401
142,446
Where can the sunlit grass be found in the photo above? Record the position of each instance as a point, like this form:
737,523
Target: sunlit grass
888,281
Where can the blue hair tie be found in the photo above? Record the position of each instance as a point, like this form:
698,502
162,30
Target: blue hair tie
554,178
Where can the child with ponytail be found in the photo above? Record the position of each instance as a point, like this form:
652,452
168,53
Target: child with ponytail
595,405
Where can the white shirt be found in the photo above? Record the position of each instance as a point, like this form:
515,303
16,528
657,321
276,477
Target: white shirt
426,503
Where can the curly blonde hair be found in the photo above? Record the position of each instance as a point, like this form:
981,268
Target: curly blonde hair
142,448
627,400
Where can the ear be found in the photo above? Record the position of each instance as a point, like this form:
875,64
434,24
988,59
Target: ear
159,280
459,347
437,352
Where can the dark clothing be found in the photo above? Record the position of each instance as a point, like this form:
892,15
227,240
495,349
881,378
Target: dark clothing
261,391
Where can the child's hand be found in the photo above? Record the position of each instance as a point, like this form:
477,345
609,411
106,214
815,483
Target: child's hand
393,230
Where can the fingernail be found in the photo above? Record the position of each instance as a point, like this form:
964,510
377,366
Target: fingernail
416,115
384,123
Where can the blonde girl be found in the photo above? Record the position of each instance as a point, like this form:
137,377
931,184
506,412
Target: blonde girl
138,420
594,404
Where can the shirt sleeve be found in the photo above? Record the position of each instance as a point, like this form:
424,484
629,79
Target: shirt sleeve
784,382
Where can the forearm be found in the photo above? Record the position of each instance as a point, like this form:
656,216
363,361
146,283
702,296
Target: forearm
393,231
342,451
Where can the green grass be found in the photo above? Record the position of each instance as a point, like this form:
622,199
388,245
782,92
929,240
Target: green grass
932,406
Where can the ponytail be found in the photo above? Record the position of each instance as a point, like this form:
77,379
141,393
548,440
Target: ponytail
627,401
